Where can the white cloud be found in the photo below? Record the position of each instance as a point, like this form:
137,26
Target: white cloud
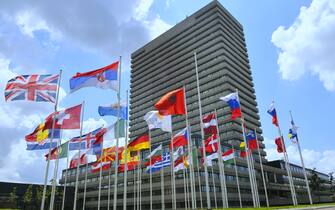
321,160
308,46
157,26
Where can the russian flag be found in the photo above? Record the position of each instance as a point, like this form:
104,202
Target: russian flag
105,78
180,139
234,104
273,113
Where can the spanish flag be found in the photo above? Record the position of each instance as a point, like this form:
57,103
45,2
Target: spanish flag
172,103
139,143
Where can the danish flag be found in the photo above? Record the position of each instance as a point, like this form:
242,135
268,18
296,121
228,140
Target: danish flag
40,88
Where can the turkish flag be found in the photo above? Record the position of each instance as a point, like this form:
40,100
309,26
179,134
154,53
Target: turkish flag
65,119
172,103
280,146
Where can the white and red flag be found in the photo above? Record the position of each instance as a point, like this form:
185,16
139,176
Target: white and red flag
65,119
74,160
209,124
211,144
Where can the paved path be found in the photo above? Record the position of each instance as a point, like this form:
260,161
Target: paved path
316,207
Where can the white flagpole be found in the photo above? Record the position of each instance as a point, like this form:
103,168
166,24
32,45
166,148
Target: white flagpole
65,182
78,159
262,171
252,163
138,181
135,187
303,167
85,185
150,172
117,140
185,194
224,193
53,190
199,181
109,184
162,184
100,174
237,179
202,133
288,168
125,181
189,147
51,140
174,205
216,204
187,178
140,184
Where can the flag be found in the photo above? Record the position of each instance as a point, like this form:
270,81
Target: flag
39,88
65,119
210,158
273,113
109,154
42,145
165,162
116,130
58,152
130,166
74,160
114,110
280,146
234,104
156,120
103,165
40,139
180,164
125,154
172,103
211,144
209,124
87,141
180,139
228,156
178,153
251,139
140,143
154,156
105,78
292,132
243,153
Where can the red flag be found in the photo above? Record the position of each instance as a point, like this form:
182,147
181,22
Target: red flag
280,146
130,166
154,159
180,139
65,119
172,103
96,166
211,144
210,123
74,160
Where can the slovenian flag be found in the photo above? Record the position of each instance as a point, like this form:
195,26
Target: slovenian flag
105,78
180,139
272,112
234,104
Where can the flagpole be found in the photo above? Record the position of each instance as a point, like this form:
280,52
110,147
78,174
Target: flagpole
302,164
53,189
184,180
100,174
150,171
78,159
117,140
189,146
85,185
288,168
262,171
199,181
187,178
51,139
252,163
135,186
174,205
224,193
216,204
125,181
202,133
237,179
140,184
65,182
109,182
162,184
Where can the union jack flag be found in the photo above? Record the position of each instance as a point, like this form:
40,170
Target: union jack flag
32,88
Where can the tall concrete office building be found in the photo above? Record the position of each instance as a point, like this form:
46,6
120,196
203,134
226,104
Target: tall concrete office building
168,62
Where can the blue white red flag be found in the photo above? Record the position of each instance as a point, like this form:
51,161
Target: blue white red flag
251,139
105,78
40,88
234,104
180,139
87,141
273,113
114,110
45,144
165,162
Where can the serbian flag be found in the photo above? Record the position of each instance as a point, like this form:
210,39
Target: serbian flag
180,139
140,143
272,112
211,144
234,104
105,78
280,146
65,119
209,124
172,103
251,139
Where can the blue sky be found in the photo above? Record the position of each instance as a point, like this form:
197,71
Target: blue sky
289,43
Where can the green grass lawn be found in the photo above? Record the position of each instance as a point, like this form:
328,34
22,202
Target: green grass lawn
285,207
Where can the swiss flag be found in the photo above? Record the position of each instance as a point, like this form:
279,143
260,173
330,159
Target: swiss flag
172,103
65,119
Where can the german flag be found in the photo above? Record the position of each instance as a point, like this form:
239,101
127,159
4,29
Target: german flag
140,143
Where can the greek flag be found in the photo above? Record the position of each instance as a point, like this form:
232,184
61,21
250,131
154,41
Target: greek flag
159,165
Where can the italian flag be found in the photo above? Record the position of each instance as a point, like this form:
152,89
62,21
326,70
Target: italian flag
228,156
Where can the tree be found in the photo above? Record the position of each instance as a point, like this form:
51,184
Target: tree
13,196
331,182
28,195
315,183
